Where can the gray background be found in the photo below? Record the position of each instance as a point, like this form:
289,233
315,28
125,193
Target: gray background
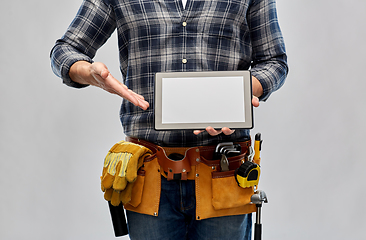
53,138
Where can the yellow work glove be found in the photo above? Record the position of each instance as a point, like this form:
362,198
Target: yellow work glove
120,171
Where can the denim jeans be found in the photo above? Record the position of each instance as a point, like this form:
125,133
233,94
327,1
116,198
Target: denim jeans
176,220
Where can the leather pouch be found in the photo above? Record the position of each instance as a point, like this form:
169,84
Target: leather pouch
146,190
137,189
218,194
226,193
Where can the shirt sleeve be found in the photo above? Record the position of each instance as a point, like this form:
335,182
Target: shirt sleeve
269,59
92,26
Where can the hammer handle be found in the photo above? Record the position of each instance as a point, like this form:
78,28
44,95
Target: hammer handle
257,231
118,220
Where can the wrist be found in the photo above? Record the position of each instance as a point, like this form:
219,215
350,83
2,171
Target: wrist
257,87
80,72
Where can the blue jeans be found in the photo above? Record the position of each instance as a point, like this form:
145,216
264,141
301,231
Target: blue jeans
176,220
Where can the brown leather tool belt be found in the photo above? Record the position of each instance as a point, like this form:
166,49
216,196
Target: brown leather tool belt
182,169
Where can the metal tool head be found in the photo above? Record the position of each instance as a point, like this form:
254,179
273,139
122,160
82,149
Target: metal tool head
259,197
221,145
224,163
251,154
229,149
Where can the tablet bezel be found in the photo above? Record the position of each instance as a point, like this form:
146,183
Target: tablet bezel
247,83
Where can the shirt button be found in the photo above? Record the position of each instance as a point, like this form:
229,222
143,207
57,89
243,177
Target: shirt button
184,24
184,60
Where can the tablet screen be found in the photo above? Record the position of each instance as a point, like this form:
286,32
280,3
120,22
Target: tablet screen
196,100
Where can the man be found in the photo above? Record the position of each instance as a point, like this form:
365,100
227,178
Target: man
172,36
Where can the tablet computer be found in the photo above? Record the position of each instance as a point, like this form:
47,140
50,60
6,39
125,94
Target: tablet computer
196,100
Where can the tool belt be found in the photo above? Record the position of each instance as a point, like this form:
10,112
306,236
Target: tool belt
217,192
191,156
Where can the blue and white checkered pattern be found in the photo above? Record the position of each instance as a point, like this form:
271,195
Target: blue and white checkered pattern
162,36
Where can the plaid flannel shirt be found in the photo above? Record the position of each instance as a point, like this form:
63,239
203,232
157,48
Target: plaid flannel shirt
162,36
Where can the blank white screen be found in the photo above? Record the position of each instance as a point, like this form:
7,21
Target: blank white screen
203,100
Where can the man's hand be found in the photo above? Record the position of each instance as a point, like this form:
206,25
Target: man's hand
257,92
97,74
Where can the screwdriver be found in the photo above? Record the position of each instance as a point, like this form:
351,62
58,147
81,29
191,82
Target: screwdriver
257,146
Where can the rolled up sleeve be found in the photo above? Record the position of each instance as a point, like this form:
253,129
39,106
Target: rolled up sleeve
269,60
90,29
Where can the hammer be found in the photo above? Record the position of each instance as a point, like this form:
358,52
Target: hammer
258,198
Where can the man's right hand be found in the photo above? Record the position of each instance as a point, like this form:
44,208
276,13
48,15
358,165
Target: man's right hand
97,74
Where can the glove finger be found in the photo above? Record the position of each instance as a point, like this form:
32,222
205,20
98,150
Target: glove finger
101,178
119,183
107,180
109,170
108,194
115,201
131,172
125,158
103,172
126,194
134,164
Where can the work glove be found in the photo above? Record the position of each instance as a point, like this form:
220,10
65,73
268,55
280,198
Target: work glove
120,171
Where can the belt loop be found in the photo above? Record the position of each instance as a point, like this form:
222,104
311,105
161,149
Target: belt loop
184,176
170,174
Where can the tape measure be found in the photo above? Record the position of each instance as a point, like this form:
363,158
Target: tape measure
247,175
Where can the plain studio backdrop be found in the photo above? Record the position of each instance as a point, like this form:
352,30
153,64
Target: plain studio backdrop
53,139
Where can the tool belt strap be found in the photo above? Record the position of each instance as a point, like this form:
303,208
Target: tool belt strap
192,157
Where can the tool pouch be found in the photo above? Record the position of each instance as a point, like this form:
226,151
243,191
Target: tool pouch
226,193
218,194
225,190
145,195
121,170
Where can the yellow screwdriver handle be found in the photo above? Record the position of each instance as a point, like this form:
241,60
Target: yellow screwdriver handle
257,146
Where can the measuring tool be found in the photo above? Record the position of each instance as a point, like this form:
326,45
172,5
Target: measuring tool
247,175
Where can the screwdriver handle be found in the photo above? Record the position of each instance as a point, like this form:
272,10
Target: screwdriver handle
257,146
